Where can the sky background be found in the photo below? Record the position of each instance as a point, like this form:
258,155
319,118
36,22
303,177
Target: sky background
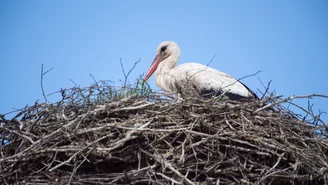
287,40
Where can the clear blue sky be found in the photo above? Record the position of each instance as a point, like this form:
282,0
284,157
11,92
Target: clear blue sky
288,40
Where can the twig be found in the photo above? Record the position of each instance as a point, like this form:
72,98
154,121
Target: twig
73,82
75,168
266,88
288,99
310,113
168,178
73,156
211,60
127,75
42,74
254,74
94,80
160,160
227,122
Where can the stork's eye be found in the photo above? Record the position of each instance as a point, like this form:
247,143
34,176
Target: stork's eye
163,49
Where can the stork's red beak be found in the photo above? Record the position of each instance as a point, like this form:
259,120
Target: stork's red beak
152,68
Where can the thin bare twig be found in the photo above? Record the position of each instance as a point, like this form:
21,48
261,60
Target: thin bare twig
42,74
254,74
288,99
126,76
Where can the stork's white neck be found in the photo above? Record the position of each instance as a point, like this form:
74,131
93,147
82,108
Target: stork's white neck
162,73
165,66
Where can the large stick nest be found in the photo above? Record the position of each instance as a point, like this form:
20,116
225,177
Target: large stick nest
163,141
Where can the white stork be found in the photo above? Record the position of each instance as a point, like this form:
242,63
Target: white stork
205,80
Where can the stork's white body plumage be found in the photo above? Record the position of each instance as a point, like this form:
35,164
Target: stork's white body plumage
172,78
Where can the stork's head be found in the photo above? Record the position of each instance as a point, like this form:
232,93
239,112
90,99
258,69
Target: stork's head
165,50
